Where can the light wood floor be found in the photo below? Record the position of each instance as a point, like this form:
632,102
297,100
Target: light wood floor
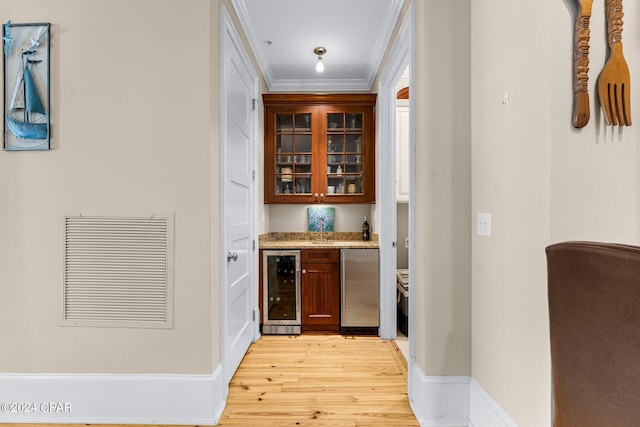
320,380
317,380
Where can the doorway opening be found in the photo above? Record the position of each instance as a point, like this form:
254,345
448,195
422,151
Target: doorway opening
399,63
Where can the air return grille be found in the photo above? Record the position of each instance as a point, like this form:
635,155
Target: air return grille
117,271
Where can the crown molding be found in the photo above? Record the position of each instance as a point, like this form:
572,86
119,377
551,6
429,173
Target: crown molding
327,85
384,37
293,85
258,49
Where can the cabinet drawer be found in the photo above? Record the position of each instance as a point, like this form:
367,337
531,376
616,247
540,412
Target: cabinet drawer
320,256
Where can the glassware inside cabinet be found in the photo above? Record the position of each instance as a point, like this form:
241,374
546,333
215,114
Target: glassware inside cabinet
354,184
284,143
354,121
284,173
335,143
345,153
354,164
293,122
282,186
354,143
303,122
335,122
293,157
284,122
303,184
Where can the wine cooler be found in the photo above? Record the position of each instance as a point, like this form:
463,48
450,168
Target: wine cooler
281,292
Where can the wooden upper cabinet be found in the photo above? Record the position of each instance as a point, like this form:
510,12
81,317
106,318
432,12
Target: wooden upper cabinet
319,148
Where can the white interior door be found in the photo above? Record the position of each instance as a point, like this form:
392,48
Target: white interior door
238,200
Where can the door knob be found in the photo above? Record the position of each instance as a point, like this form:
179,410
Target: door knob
304,271
232,256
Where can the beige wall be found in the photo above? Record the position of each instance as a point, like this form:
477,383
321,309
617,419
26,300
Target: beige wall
443,188
543,182
296,217
135,130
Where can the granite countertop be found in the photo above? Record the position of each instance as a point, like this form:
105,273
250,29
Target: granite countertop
302,240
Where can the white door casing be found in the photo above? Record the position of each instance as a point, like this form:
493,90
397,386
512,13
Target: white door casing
401,56
238,133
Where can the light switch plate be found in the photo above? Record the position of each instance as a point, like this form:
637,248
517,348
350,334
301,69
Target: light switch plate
484,224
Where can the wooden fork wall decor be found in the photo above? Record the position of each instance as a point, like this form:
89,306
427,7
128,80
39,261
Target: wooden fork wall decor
581,110
614,86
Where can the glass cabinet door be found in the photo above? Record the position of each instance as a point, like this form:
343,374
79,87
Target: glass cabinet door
293,154
345,154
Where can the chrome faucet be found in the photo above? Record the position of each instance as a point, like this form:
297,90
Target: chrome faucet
321,239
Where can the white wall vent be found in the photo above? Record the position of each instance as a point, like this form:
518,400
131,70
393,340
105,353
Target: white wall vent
118,271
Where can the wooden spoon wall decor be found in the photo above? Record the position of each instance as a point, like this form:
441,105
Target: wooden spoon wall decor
581,110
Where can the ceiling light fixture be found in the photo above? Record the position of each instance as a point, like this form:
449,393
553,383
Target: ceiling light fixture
319,51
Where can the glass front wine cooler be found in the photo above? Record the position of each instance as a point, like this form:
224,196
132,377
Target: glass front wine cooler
281,292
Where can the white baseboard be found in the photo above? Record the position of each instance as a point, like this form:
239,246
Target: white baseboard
112,399
439,400
485,412
453,401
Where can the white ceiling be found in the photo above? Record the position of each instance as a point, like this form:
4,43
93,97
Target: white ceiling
283,34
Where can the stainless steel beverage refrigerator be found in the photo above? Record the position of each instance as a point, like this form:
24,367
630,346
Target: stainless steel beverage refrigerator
360,308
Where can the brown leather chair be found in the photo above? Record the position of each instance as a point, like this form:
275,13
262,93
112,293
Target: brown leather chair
594,314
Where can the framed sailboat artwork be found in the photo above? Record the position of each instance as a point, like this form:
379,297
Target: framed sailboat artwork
26,86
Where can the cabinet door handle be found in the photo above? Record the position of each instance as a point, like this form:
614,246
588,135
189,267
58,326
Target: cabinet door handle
322,196
304,271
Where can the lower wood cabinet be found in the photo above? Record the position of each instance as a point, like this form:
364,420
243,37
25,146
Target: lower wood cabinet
320,291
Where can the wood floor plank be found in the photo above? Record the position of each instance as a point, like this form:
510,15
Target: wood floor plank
349,400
